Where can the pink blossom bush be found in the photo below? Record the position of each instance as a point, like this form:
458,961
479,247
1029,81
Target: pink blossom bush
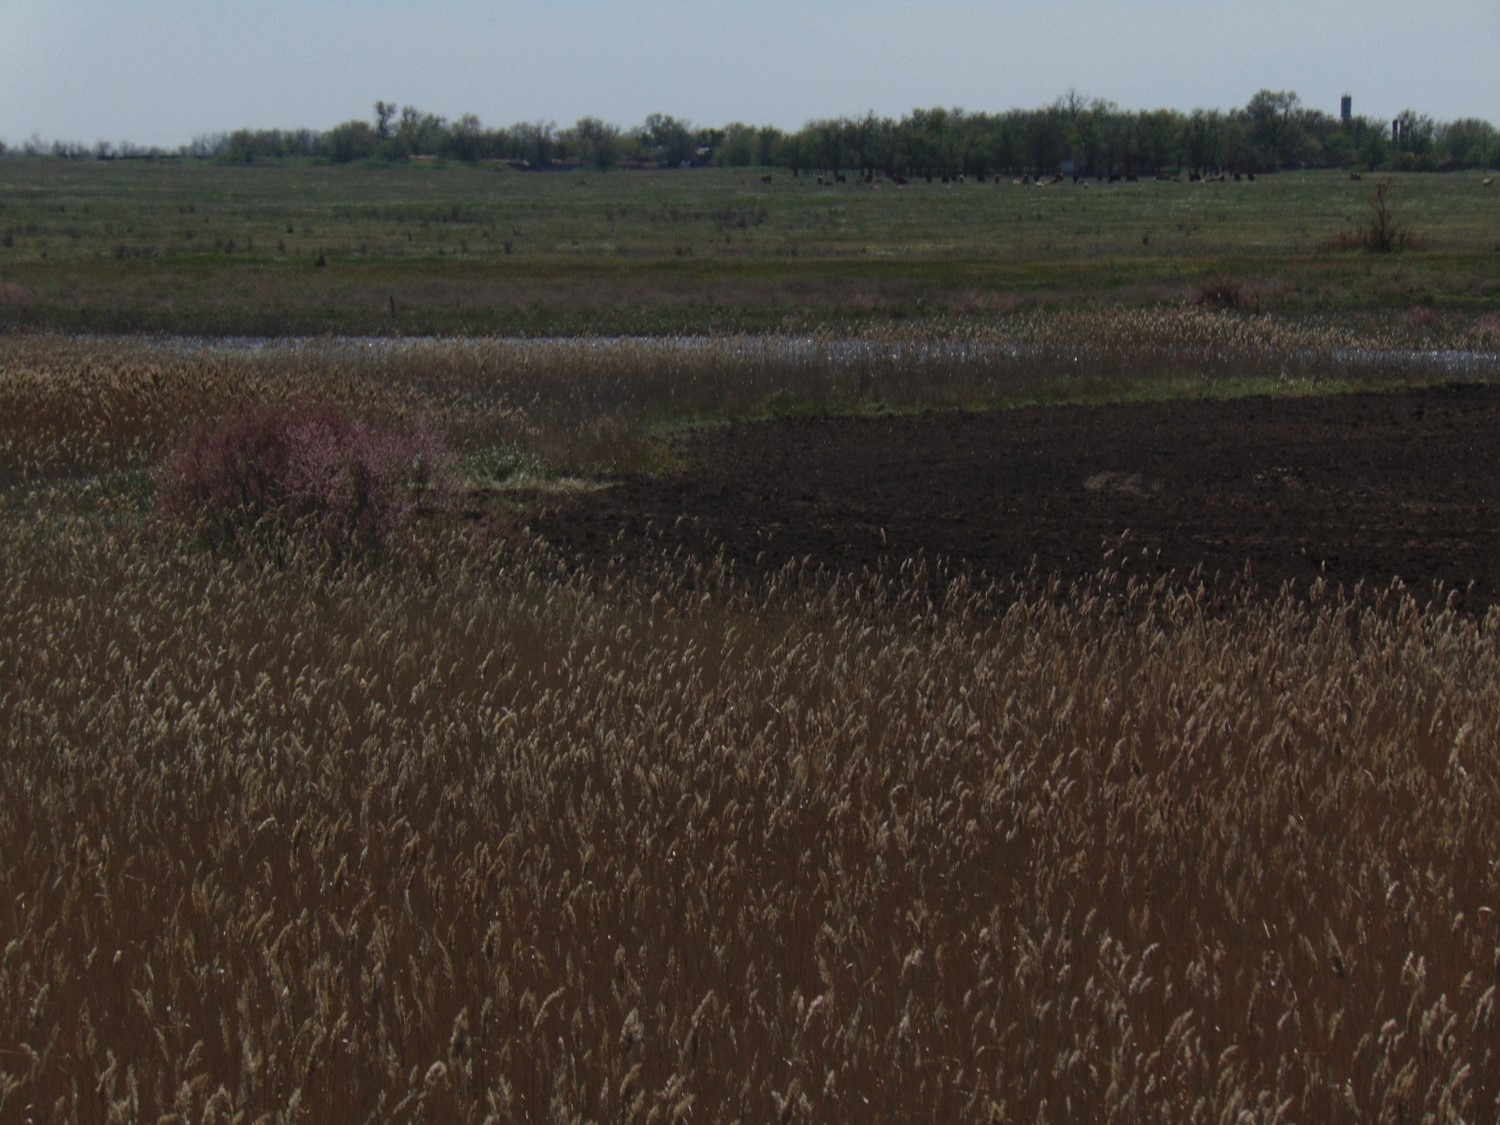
309,471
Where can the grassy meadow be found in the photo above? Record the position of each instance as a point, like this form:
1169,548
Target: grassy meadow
436,249
452,831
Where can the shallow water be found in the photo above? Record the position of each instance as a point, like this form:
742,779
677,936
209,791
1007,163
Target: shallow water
1458,364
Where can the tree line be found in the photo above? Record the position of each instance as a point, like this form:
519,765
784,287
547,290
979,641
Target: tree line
1072,136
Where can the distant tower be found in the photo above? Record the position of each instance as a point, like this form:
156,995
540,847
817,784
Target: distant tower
1346,108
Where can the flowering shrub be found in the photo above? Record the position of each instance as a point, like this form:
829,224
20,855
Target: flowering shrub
305,471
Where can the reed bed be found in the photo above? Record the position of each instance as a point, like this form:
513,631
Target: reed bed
75,408
458,837
456,834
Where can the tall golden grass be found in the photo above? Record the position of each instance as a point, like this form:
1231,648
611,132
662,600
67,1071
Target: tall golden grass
460,836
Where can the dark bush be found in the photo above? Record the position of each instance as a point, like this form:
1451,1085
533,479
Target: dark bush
1221,292
305,472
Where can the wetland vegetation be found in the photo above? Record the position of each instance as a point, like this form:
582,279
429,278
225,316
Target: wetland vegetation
447,823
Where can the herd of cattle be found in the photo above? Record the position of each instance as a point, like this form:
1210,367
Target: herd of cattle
833,179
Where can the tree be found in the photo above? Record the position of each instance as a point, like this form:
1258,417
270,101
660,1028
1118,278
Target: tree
791,152
1203,140
767,139
670,140
1088,140
384,111
1273,124
863,137
738,149
929,145
598,142
1468,143
1339,149
1415,133
353,140
535,141
417,134
1159,135
1049,142
827,136
1371,142
465,140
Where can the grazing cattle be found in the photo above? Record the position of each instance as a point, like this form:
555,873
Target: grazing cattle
1487,181
765,179
1355,176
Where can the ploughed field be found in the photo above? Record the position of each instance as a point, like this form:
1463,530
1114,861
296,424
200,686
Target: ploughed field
1351,488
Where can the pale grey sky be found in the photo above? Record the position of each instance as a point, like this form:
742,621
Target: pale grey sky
159,72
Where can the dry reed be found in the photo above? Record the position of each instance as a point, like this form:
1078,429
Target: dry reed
462,837
77,408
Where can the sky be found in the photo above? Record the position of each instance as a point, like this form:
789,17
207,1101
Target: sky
162,72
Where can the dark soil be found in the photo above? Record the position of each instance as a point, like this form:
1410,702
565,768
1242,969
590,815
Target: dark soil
1360,488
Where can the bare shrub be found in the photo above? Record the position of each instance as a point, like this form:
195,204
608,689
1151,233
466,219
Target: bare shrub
1383,233
349,483
1422,317
1220,292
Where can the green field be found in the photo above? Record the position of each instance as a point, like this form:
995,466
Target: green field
443,249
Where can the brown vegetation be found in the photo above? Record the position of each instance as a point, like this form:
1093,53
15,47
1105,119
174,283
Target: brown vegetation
71,408
462,839
457,835
1220,292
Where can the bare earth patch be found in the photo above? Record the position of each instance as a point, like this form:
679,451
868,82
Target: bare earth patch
1358,488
